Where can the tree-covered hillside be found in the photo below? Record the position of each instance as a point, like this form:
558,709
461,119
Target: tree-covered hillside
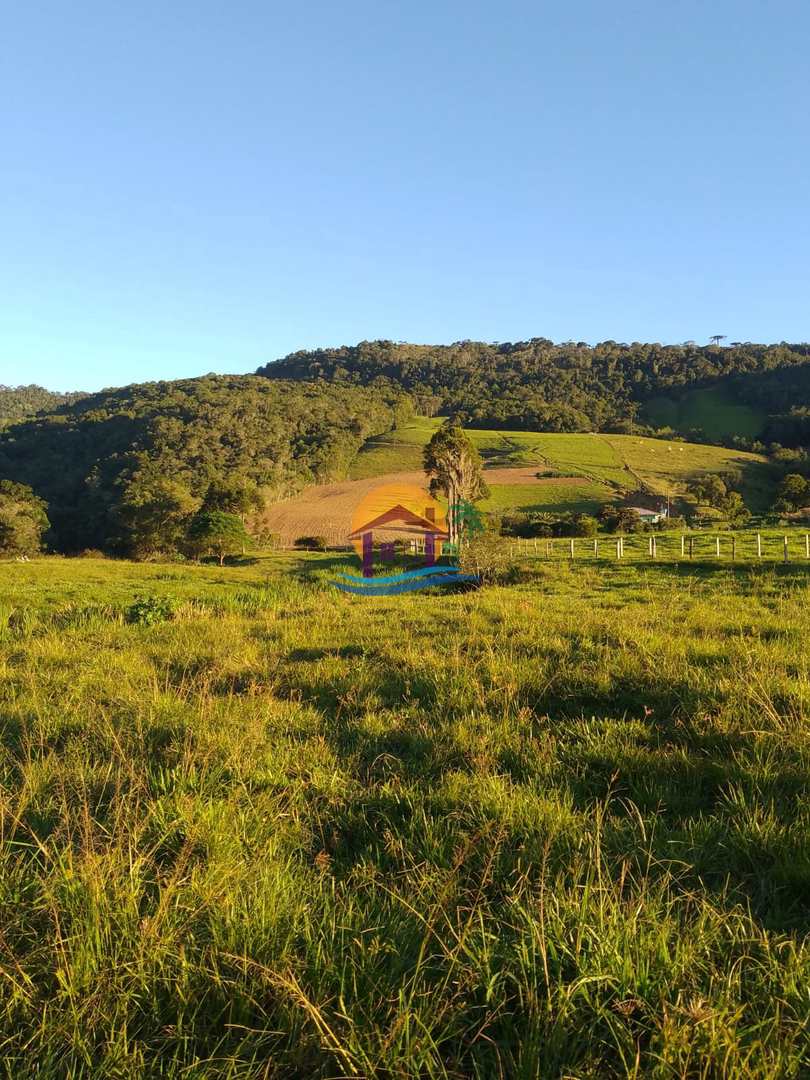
537,385
120,468
17,402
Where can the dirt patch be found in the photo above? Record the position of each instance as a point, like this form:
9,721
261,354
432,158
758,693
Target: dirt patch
326,510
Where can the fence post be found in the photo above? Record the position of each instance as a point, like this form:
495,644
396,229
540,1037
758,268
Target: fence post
619,548
683,542
595,548
654,547
759,545
807,545
733,548
717,546
786,549
691,545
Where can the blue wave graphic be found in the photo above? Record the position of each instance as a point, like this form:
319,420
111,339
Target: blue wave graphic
401,583
423,571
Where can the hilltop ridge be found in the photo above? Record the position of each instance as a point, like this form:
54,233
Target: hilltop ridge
748,392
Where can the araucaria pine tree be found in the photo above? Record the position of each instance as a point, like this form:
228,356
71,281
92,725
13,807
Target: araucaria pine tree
455,470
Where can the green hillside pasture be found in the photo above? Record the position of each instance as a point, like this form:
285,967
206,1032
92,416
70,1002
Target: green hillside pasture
554,497
713,410
395,451
555,829
667,466
584,455
614,462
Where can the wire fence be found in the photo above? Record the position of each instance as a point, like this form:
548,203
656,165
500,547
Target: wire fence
730,547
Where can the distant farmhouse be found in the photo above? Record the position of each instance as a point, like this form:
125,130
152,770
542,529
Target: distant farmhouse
649,517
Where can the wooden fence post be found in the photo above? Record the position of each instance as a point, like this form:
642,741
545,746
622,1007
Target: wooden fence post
807,545
786,549
717,546
683,542
733,548
691,545
619,548
759,545
595,548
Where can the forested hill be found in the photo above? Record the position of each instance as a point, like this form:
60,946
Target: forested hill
115,467
537,385
17,402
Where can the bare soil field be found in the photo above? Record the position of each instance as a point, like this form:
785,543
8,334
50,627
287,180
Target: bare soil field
326,510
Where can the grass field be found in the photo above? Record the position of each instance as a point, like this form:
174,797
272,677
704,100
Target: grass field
557,829
559,497
712,409
610,464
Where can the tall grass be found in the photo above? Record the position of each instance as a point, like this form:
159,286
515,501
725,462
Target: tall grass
553,830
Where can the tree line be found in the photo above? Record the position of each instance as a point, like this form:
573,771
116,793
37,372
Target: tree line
538,385
17,402
130,471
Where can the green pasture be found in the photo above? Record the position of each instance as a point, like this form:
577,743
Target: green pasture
559,828
553,498
614,462
712,409
396,451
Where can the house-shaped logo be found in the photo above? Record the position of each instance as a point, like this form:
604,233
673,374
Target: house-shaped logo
401,519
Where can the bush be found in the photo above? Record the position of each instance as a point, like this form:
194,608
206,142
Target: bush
583,525
621,519
311,543
488,557
148,610
518,523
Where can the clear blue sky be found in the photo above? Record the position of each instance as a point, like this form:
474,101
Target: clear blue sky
191,187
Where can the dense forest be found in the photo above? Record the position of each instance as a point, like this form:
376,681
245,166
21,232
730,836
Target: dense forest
124,469
537,385
17,402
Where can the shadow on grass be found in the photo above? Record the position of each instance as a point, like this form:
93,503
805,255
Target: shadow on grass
722,804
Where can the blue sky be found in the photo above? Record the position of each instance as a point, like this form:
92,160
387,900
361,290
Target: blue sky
194,187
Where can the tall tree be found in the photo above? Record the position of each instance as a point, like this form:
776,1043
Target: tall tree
154,512
213,532
23,520
455,470
793,492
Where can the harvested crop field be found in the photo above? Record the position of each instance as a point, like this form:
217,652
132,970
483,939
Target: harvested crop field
326,509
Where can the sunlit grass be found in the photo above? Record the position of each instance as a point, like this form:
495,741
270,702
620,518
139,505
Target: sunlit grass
555,829
614,462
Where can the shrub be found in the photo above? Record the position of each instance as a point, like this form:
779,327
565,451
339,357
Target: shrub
622,519
311,543
489,558
148,610
215,532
